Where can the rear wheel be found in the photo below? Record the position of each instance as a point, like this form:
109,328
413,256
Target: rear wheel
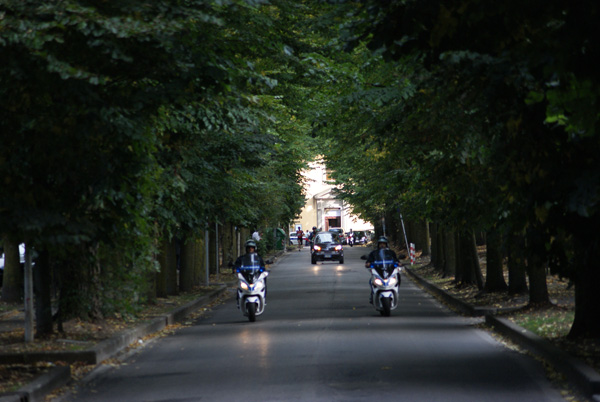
313,260
251,312
342,260
386,306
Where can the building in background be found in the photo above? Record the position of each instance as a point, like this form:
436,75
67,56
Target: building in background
322,209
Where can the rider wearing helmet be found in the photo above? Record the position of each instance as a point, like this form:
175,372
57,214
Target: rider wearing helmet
382,244
250,255
381,253
250,251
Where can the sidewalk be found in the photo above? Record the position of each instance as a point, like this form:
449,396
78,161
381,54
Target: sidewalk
583,378
61,375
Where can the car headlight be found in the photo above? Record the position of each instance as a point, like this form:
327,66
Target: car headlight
338,248
378,282
317,248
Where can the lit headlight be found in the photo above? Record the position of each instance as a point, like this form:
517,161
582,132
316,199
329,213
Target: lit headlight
244,285
338,248
393,281
259,286
378,282
317,248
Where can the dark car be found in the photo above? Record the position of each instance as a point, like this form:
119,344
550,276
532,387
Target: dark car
327,247
360,237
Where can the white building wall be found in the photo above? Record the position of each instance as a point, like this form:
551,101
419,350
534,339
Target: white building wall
314,211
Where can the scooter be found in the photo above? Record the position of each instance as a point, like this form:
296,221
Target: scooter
350,240
251,290
385,281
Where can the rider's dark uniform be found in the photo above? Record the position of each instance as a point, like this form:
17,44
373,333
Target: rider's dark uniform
250,265
379,259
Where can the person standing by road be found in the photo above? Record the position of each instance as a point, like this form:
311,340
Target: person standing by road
300,235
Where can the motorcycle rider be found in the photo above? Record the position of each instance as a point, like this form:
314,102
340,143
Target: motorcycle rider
250,255
381,253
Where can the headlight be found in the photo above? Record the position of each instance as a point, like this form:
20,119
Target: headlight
378,282
244,285
317,248
338,248
393,281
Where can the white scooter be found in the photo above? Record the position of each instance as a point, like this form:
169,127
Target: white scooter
385,281
251,290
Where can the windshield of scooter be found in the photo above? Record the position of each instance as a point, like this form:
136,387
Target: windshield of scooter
384,262
251,267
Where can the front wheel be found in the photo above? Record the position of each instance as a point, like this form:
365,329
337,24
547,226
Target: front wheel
313,260
251,312
386,306
342,260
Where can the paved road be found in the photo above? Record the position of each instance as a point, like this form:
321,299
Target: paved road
320,340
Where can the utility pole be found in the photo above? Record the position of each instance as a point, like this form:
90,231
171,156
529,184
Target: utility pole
207,258
28,279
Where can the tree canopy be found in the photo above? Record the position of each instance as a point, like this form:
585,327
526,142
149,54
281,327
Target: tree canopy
124,122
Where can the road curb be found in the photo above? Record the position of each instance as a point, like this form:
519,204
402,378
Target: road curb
453,302
59,376
583,377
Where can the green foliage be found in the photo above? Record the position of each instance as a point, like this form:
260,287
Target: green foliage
121,122
499,130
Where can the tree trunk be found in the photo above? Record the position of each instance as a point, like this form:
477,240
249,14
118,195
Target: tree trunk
494,278
212,255
468,268
461,274
41,290
441,249
199,261
186,267
228,246
79,277
538,288
474,257
192,264
172,274
434,243
419,235
517,280
449,251
587,279
95,284
166,279
12,287
536,269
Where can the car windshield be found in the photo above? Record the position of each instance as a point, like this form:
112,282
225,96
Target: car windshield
325,238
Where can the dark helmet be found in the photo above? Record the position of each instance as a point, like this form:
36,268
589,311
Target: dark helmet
314,228
382,239
250,243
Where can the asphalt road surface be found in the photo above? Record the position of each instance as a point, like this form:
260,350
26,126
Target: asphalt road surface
320,340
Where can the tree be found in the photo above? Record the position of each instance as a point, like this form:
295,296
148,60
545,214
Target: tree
155,123
527,84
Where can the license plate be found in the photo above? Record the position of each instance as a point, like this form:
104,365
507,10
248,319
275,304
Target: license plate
327,255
